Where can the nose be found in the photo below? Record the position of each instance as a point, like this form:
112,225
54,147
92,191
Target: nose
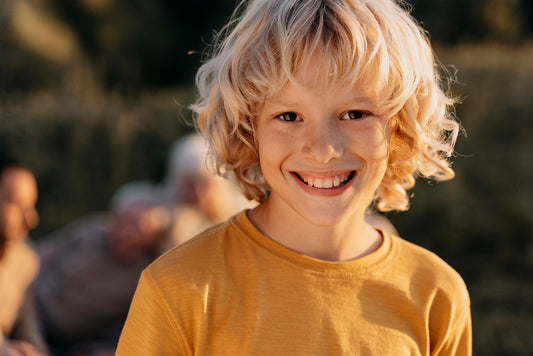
323,142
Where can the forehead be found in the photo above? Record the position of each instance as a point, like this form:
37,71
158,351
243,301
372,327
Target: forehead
313,79
295,95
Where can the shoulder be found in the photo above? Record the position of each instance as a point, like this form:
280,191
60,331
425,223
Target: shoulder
432,285
429,272
442,293
180,281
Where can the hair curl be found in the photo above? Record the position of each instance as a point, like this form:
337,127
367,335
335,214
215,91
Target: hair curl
373,43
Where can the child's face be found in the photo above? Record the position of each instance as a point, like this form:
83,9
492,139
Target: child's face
323,153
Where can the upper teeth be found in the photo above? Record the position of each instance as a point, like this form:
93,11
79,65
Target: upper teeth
325,182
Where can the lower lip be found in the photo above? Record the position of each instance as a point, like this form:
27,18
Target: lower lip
325,192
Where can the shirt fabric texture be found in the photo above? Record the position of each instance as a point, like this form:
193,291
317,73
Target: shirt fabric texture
233,291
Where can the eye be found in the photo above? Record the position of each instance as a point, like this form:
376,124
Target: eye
289,116
355,115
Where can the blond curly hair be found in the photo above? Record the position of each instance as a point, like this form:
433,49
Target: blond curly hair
373,43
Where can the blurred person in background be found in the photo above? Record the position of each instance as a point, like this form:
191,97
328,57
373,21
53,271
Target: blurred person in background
19,264
91,267
198,198
89,272
194,196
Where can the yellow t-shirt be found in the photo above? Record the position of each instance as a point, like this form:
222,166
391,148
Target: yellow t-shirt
233,291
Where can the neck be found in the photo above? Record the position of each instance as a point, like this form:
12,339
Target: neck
346,240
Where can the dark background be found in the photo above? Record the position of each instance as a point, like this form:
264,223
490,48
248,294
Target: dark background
93,92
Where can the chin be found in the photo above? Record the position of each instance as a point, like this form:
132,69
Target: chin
324,217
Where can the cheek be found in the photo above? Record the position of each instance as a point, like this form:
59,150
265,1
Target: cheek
273,145
381,147
380,152
371,143
268,158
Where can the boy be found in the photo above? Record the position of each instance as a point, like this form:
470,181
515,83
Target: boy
319,109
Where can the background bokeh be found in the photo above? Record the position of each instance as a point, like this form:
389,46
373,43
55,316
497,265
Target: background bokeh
93,92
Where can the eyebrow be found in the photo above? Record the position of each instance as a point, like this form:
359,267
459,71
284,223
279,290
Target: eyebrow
281,102
356,99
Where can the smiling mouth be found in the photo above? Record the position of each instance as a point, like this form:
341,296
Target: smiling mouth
327,183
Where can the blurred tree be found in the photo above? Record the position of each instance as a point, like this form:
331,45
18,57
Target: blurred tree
503,20
527,8
143,43
138,44
449,21
21,70
454,21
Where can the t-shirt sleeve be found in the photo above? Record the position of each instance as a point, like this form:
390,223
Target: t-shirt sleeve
459,340
455,328
149,328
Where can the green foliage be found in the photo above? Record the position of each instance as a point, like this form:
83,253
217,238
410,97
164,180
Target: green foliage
137,43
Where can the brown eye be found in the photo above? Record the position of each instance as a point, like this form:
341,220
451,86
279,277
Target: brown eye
289,116
355,115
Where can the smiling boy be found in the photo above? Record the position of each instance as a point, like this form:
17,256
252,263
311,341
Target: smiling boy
318,109
323,155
